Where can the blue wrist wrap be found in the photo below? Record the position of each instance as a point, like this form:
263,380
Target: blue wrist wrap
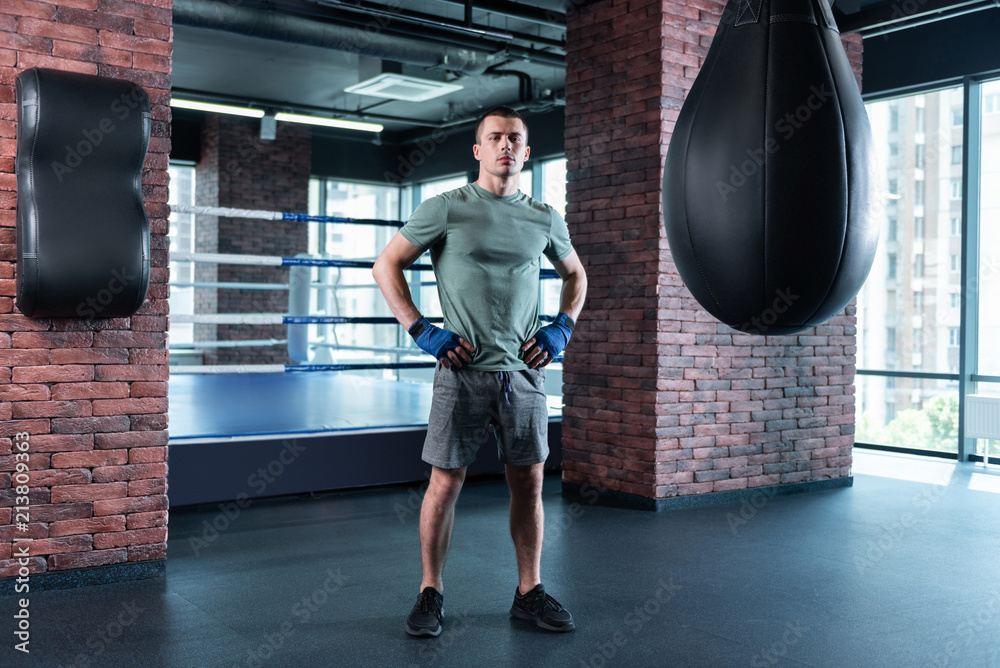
432,339
554,338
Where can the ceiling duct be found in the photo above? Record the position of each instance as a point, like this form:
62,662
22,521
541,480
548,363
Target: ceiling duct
381,44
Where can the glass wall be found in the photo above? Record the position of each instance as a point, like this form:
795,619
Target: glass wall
182,236
911,340
351,291
989,233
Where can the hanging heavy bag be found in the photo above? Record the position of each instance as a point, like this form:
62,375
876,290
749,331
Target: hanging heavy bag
770,187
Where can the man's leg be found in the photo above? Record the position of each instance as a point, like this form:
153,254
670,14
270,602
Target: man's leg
527,522
437,518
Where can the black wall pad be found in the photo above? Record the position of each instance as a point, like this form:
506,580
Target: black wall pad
82,230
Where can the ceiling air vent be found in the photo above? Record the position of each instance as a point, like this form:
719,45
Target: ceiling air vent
400,87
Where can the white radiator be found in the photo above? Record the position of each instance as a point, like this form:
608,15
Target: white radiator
982,416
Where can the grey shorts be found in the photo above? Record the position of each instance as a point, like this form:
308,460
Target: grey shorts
467,403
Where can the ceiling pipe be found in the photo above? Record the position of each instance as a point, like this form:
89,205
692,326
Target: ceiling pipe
463,28
522,12
383,43
894,17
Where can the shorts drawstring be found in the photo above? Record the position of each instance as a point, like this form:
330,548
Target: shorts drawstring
505,385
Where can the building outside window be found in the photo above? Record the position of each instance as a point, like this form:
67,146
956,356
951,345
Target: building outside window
911,400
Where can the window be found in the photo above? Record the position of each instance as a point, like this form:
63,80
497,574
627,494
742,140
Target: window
351,291
920,333
893,149
989,233
182,240
432,188
554,184
892,228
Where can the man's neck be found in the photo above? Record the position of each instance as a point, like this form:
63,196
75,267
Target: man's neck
498,185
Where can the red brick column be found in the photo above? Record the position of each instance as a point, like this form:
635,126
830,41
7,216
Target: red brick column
238,169
661,399
90,394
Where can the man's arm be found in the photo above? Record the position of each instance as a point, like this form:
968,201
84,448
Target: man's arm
574,289
388,273
574,292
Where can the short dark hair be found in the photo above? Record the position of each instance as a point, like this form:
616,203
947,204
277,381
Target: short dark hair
503,112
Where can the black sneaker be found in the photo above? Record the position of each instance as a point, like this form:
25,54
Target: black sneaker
425,618
539,607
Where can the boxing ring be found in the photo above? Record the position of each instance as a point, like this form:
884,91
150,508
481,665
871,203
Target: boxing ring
314,424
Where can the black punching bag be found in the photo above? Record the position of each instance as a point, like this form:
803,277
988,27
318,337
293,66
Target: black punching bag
770,187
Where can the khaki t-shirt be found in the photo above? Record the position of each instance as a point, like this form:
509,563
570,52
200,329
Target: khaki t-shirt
486,250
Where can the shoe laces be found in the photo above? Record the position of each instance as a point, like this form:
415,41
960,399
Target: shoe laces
543,600
426,602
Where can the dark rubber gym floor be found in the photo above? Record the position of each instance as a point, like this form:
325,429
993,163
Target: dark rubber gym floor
899,570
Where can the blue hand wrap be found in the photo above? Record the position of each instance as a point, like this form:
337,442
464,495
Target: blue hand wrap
553,338
432,339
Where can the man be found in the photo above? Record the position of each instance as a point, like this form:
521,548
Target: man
486,241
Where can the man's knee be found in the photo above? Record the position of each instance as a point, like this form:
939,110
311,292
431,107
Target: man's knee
525,481
446,484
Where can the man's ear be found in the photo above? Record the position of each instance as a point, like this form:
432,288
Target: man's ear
475,151
527,152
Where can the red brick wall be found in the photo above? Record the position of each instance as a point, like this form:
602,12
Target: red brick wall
661,400
238,169
91,394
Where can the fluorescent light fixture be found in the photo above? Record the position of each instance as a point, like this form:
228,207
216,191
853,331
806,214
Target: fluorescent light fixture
328,122
216,108
399,87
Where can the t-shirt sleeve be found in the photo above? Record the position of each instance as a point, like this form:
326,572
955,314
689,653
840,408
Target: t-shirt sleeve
428,224
559,245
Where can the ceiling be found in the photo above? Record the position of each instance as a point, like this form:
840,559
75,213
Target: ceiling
300,55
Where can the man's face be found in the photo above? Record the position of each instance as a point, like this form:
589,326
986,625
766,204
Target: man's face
502,147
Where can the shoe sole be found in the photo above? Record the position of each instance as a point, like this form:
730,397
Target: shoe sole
424,633
527,616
